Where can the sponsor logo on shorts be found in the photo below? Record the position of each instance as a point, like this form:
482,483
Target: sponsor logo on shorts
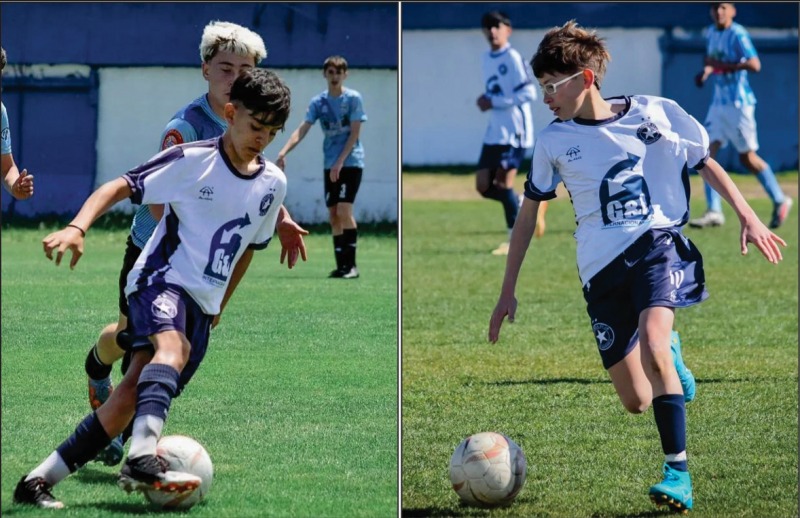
172,138
604,335
163,307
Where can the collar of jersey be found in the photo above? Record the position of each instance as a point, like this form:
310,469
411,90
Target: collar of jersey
500,52
207,108
622,113
261,163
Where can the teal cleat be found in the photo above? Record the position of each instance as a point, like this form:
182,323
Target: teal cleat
674,491
112,454
685,375
99,391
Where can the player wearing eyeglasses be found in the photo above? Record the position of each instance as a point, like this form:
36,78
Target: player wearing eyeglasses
625,162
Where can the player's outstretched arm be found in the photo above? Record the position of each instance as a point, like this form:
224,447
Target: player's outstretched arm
290,235
239,269
71,237
753,230
518,246
297,135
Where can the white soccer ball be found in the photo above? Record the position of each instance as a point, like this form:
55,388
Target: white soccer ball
488,469
188,456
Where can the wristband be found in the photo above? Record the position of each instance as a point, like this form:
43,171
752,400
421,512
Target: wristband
83,232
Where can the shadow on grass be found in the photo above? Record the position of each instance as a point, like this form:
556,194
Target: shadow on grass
87,475
588,381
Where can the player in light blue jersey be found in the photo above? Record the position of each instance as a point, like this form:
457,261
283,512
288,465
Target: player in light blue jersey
730,55
340,112
625,162
508,93
187,270
226,49
20,185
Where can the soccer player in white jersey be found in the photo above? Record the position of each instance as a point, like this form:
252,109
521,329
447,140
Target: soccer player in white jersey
508,93
730,55
19,185
625,162
222,201
226,49
340,112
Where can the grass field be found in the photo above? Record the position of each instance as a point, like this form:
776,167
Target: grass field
543,383
296,400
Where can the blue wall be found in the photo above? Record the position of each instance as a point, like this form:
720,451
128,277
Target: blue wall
297,35
537,15
54,120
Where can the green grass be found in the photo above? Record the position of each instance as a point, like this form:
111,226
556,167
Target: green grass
296,400
543,383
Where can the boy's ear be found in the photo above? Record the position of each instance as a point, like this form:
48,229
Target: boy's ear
230,111
588,78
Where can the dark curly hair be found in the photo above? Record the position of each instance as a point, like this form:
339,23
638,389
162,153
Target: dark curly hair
263,93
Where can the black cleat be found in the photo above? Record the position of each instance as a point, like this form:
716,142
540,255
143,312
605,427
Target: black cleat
336,274
152,472
36,491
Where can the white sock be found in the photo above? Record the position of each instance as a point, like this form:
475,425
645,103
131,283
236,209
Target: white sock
676,457
53,469
146,432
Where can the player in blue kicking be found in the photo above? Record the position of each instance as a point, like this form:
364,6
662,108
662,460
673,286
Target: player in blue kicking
188,268
19,185
226,49
508,92
340,112
628,182
730,55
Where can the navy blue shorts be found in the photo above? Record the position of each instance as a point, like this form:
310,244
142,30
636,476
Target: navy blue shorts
167,307
131,254
661,268
344,189
501,156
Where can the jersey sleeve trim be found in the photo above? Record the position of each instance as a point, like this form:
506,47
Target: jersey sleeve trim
702,163
259,246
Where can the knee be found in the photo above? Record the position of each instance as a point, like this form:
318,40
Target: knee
636,405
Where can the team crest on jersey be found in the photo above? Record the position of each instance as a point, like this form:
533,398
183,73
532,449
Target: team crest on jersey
164,307
648,133
604,335
266,203
172,138
503,69
6,133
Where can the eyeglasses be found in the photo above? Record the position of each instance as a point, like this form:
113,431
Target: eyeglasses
552,88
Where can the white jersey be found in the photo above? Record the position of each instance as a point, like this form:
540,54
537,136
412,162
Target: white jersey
510,86
212,214
625,175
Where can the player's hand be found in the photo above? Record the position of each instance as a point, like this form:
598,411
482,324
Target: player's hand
68,238
699,80
281,162
23,186
292,244
335,172
484,103
754,231
506,306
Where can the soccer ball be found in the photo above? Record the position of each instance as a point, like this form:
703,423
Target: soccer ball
188,456
488,469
